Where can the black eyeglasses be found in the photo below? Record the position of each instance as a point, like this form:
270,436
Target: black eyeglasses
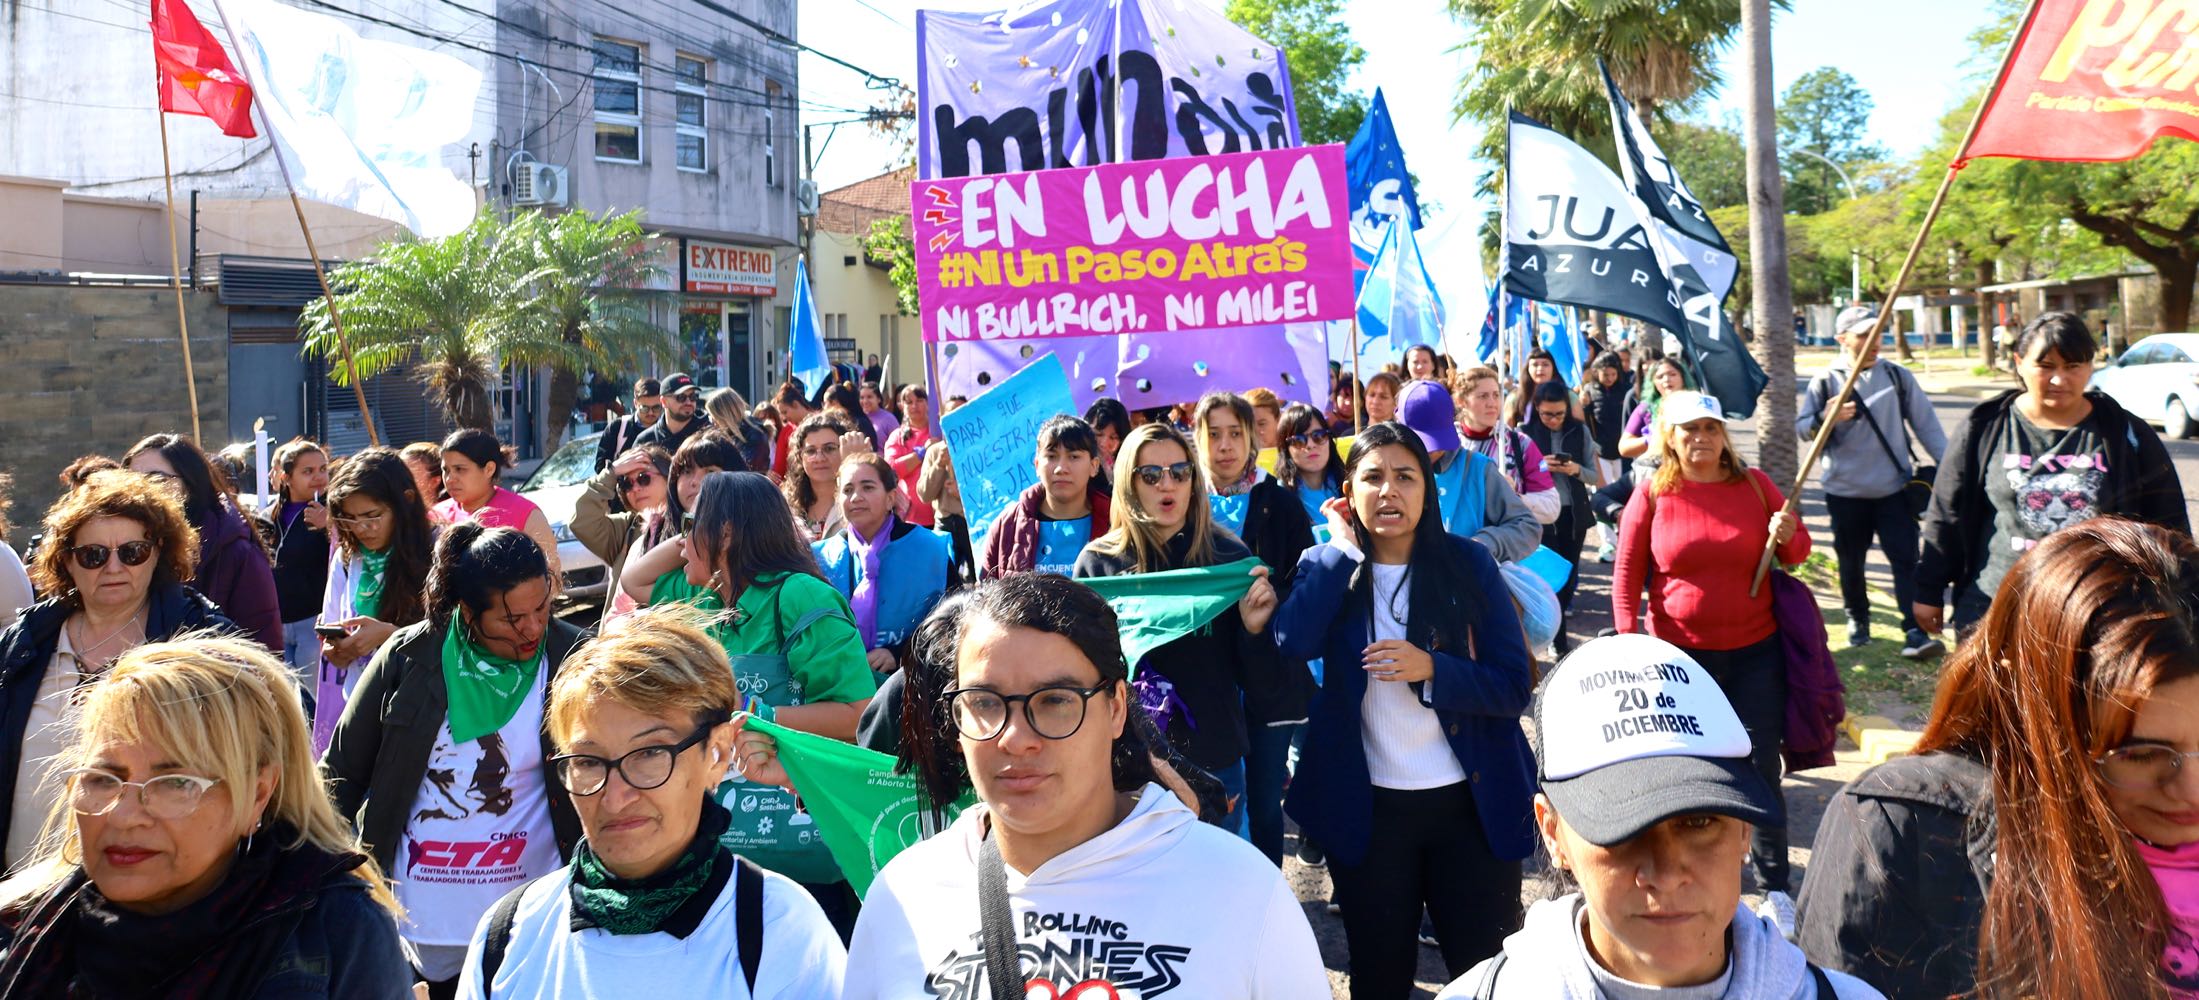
2142,766
644,768
95,556
1055,712
1309,439
638,479
1178,472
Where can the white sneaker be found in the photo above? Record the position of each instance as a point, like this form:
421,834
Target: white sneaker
1778,907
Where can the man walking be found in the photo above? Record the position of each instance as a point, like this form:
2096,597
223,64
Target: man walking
680,419
626,431
1867,467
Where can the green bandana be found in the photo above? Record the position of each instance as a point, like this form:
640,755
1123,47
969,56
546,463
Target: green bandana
652,904
485,691
366,597
1153,609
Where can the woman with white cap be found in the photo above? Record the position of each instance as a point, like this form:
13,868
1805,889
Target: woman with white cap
1648,798
1691,536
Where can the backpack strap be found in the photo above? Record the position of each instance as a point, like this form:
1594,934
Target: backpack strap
1487,988
1825,989
748,916
499,937
802,624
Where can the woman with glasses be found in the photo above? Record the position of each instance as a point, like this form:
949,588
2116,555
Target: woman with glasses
440,757
2043,840
231,568
653,903
1311,467
1415,777
474,463
656,566
1091,862
384,547
812,486
890,571
636,479
796,653
191,850
118,552
1195,685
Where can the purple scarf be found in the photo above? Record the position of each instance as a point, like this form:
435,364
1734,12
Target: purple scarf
864,601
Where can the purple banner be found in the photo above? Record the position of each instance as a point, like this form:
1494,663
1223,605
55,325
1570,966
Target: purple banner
1193,243
1149,370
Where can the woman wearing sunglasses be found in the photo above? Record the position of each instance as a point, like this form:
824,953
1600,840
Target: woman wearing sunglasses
1108,882
1311,468
384,547
2043,841
655,569
193,852
636,478
440,758
117,555
1195,685
653,903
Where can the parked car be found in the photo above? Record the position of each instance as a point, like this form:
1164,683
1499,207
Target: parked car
2158,380
555,486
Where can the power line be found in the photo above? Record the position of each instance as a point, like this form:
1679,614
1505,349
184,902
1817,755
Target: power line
772,34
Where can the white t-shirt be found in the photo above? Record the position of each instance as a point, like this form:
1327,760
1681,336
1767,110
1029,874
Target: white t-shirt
1160,907
480,826
52,727
802,956
1404,739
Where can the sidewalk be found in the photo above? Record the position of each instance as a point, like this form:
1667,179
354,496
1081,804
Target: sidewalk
1941,371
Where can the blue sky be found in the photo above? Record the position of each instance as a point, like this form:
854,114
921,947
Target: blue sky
1908,53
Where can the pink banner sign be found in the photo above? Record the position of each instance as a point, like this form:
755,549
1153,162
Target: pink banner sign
1188,243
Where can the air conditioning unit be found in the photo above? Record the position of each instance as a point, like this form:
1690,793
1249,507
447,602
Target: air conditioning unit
539,184
805,197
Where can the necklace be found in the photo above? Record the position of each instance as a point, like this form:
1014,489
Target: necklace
88,648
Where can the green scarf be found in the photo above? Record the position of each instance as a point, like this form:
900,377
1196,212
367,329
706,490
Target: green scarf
1154,609
485,691
655,903
366,597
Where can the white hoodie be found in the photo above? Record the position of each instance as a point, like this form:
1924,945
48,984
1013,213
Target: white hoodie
1160,906
1546,958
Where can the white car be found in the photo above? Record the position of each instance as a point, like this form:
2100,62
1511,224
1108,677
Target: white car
555,486
2157,380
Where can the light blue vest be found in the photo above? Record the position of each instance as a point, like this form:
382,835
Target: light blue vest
913,572
1462,492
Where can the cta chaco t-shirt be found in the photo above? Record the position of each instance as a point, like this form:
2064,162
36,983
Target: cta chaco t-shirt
480,826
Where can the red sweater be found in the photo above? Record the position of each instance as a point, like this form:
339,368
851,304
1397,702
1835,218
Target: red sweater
1698,548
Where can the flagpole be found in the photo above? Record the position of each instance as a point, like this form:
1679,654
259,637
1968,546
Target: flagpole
175,281
1885,312
1358,388
275,146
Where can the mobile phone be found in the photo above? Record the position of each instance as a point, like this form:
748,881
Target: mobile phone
330,632
1559,457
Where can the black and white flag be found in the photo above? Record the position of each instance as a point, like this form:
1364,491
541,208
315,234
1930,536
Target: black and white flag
1574,233
1657,183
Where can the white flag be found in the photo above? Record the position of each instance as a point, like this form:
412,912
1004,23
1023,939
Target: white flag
362,122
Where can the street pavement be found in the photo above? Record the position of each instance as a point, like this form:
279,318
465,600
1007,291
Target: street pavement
1806,793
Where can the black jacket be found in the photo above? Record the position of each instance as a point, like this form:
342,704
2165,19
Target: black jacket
618,435
1898,876
2141,484
27,647
378,755
1222,672
1278,531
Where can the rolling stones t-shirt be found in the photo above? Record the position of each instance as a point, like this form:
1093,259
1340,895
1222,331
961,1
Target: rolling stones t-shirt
480,826
2039,481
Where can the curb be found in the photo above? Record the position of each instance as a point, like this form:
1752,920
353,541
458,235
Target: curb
1879,738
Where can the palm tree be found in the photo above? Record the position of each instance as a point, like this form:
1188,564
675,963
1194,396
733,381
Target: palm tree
588,284
1770,291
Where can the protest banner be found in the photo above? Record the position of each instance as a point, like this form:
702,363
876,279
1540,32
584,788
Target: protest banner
2092,81
1151,609
1158,245
989,440
865,812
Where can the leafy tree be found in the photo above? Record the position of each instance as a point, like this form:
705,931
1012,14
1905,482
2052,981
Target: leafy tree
1321,56
532,292
889,240
1710,158
1827,113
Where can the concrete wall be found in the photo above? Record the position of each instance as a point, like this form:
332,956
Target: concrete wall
92,370
865,295
32,239
118,236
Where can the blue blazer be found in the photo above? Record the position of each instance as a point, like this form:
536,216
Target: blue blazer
1478,698
912,576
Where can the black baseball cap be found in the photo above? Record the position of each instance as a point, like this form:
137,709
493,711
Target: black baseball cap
677,383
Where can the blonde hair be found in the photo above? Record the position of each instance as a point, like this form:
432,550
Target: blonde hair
727,408
1131,531
1668,476
223,707
657,661
1464,379
1265,399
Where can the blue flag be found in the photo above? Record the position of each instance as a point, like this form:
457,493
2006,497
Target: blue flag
1491,321
1559,332
1398,300
1380,188
805,352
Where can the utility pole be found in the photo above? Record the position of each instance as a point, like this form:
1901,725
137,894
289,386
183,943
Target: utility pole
1773,306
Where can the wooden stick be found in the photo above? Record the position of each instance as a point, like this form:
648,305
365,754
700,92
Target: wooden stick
1885,312
175,281
351,367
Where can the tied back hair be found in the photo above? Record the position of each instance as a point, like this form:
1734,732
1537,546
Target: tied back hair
1442,609
473,564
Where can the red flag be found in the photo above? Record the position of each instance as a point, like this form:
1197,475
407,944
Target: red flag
2095,80
196,77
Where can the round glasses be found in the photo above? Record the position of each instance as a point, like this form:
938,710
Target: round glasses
95,556
2142,766
643,768
1055,712
636,479
169,797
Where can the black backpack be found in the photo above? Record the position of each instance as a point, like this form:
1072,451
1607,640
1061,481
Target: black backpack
748,923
